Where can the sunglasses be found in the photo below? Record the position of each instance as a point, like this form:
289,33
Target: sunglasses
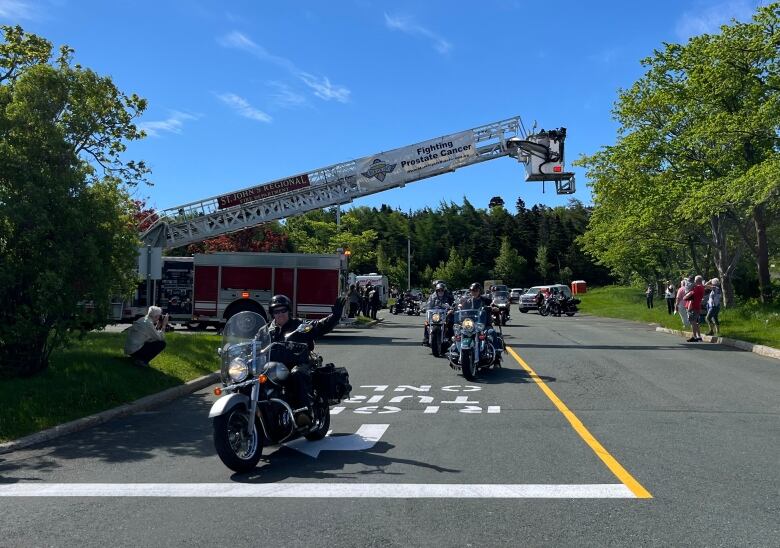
279,311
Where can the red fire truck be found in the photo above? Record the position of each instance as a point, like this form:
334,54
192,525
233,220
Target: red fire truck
227,283
209,288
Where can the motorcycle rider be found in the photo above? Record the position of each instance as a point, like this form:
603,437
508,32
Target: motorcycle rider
300,380
477,301
440,298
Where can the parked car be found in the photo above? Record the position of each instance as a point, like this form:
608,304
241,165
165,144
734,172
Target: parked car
528,299
514,295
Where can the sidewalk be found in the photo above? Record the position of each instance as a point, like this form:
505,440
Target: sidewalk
767,351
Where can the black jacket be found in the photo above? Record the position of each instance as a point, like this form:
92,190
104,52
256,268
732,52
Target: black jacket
314,330
434,301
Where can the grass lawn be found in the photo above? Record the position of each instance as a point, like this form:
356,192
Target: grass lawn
757,324
94,375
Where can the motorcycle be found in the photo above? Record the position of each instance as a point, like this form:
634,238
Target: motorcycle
435,323
501,302
569,306
550,307
472,348
256,404
412,308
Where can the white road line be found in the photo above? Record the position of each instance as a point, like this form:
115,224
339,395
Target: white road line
337,410
491,409
317,490
431,409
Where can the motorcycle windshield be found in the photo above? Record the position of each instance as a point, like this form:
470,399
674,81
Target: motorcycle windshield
477,316
500,297
245,334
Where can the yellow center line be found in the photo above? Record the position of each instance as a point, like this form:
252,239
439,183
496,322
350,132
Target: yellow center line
616,468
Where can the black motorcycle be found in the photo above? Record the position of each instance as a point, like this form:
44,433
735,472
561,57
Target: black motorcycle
501,307
436,324
412,308
258,407
472,348
568,305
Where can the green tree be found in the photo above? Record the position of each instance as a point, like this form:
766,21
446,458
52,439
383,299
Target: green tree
543,266
695,166
67,236
510,266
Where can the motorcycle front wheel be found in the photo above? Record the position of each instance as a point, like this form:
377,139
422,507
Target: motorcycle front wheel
570,314
434,338
543,311
468,367
321,420
237,443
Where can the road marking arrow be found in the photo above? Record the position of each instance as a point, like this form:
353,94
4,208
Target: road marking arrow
365,438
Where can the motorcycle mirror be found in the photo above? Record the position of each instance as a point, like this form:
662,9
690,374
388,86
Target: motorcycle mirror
219,352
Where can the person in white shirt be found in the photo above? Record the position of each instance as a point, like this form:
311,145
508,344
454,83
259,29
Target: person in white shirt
146,337
713,306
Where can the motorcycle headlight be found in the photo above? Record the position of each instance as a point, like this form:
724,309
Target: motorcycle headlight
276,372
436,317
238,370
468,323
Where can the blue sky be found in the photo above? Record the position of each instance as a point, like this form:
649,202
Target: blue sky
245,92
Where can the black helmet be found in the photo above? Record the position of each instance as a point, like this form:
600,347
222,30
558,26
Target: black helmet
279,301
441,286
476,286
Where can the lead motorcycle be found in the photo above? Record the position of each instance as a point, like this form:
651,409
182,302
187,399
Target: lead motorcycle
472,348
256,404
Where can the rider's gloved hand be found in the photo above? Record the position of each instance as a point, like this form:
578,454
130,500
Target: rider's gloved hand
338,306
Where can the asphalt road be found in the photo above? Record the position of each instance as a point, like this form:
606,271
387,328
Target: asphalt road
694,426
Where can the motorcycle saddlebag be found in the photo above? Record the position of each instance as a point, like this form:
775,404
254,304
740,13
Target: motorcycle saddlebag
332,383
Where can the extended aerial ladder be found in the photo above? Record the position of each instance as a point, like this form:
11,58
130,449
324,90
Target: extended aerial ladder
542,154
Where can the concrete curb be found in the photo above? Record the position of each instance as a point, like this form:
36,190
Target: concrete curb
767,351
147,402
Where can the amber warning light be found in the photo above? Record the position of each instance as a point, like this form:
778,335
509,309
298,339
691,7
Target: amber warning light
245,294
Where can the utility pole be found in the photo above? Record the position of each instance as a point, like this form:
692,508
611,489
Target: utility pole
408,263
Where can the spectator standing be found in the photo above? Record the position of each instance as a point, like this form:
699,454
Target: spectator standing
649,293
713,306
374,302
354,300
669,295
367,299
679,303
146,337
693,300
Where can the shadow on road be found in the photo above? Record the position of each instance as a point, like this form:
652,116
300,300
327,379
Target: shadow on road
508,376
290,464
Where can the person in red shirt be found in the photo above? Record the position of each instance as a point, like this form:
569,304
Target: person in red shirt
693,303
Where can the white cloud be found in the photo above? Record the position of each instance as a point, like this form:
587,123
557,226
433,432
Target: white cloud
285,97
708,20
409,26
320,85
323,89
242,106
172,124
17,9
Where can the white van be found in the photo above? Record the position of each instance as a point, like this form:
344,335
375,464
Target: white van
377,281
